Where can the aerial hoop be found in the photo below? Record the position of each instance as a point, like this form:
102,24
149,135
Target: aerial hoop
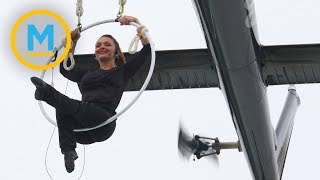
145,34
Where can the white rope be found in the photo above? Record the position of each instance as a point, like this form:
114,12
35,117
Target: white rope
133,47
64,42
65,62
49,143
144,86
79,8
45,158
142,29
69,57
56,49
134,42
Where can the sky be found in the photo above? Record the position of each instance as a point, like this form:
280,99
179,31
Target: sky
144,145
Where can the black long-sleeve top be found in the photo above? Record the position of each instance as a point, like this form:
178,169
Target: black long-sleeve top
105,87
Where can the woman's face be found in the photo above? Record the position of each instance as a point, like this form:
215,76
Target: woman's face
105,49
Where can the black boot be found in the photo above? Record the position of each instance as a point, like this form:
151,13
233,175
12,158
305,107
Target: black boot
39,83
50,95
43,90
69,158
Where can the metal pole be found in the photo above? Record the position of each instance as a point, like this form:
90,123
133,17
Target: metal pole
230,145
286,121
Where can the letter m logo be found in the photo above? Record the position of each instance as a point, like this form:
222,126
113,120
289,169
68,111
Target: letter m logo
33,32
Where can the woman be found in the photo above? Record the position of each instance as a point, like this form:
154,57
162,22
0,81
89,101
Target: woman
101,91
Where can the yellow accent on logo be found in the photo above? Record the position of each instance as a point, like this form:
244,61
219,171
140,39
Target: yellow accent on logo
58,59
40,54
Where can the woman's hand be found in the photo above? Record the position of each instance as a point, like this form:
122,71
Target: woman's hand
125,20
75,35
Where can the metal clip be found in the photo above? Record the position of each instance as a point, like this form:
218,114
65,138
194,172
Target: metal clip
55,51
79,26
121,8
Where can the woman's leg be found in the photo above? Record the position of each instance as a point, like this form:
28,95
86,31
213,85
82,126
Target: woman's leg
66,139
73,114
65,124
50,95
87,115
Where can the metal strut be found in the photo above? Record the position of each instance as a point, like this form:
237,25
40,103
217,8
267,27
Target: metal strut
204,148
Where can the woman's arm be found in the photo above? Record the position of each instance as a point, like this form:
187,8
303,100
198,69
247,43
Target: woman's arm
138,59
76,73
125,20
75,35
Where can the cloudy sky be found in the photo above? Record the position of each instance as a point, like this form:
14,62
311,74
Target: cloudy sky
144,145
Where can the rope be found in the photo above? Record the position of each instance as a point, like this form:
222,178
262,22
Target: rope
84,161
72,62
79,13
133,47
45,159
69,57
134,42
52,84
49,143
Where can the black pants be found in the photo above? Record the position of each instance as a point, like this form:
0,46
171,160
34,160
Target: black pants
73,114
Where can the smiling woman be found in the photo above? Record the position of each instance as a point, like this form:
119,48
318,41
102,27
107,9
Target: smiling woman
108,48
101,91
